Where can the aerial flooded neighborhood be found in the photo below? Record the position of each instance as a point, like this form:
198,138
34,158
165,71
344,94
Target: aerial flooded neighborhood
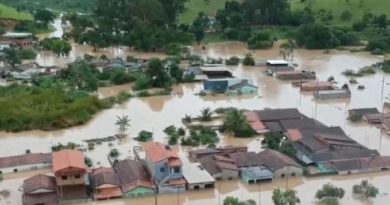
190,102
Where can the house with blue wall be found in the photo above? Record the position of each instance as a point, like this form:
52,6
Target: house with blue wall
165,167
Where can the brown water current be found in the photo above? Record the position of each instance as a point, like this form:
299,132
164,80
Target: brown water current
156,113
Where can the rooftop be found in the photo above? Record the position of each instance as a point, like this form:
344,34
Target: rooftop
104,176
279,114
277,62
194,173
26,159
17,35
132,174
68,159
246,159
275,160
257,172
40,181
157,151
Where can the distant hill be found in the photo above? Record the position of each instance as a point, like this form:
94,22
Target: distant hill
7,12
356,7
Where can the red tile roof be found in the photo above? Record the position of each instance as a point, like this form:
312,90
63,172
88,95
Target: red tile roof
26,159
294,134
157,151
68,159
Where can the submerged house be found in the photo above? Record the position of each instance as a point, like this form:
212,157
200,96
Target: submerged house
40,190
220,85
165,166
256,174
361,165
220,167
280,164
243,87
134,178
105,184
197,177
297,75
19,39
359,113
332,94
275,66
71,175
316,86
26,162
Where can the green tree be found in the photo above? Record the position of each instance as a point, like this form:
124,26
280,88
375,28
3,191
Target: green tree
248,60
235,201
158,74
81,75
123,122
205,114
199,25
365,190
234,120
44,17
330,194
288,197
144,136
11,57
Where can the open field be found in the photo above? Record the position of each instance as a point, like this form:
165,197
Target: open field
356,7
7,12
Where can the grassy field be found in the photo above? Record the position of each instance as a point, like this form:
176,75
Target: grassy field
356,7
7,12
193,7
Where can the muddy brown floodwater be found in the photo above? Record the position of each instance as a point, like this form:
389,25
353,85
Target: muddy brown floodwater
156,113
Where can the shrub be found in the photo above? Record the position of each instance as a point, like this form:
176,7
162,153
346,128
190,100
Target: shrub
144,136
144,93
143,82
248,60
27,54
114,153
386,66
260,40
346,15
234,60
119,77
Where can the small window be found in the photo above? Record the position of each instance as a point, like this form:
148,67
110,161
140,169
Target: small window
64,177
176,170
15,170
282,175
293,174
162,169
78,176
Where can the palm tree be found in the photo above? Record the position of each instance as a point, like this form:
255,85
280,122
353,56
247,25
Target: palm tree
123,122
283,52
287,49
234,120
291,46
205,114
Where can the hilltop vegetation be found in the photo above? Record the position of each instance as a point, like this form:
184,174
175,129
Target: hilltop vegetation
7,12
356,7
61,5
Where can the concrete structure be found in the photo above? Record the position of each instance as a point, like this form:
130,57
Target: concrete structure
332,94
256,174
243,87
197,177
165,166
71,175
19,39
26,162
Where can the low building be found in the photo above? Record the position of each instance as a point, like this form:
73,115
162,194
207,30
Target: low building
332,94
275,66
105,184
19,39
200,153
316,86
40,190
197,177
134,178
220,85
256,174
298,75
25,162
358,113
361,165
246,159
243,87
219,168
216,72
281,165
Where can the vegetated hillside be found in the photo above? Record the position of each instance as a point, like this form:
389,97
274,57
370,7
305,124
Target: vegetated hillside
356,7
193,7
7,12
61,5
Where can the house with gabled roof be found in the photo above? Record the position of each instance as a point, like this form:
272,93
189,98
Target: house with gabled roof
280,164
71,175
165,167
105,184
40,190
135,179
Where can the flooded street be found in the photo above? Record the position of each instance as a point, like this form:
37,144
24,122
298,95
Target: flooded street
156,113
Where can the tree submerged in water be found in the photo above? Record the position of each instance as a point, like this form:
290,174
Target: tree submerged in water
123,122
288,197
365,190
